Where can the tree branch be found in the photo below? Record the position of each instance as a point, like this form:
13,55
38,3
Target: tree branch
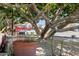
68,29
67,20
40,13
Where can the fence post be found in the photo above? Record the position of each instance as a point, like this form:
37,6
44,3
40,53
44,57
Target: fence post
52,46
62,44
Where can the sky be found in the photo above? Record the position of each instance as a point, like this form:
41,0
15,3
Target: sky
41,23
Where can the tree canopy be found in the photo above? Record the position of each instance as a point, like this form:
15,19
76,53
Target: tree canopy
57,16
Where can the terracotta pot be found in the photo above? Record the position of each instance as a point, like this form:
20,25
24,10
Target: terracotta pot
22,48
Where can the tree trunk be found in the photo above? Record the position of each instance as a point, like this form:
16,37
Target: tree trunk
45,30
12,26
36,28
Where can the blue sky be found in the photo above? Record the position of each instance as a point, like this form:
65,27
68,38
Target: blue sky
41,22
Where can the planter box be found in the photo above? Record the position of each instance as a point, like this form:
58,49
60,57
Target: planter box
22,48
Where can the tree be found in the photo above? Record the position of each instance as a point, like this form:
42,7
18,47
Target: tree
57,16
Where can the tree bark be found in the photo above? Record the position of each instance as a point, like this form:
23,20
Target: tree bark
12,26
45,30
36,28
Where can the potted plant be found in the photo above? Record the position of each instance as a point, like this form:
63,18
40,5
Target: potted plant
26,46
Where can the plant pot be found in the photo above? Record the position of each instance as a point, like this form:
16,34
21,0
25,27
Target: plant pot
23,48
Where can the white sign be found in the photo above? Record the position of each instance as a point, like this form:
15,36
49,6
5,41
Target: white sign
23,27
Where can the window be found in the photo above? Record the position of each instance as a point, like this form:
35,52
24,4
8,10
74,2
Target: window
21,33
